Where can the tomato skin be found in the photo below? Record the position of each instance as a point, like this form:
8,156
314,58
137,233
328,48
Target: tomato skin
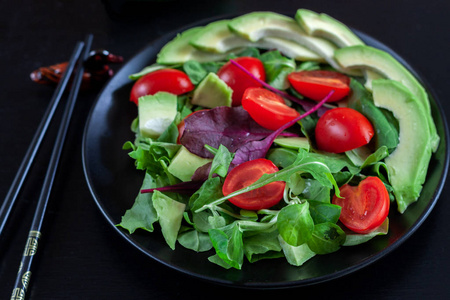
247,173
364,207
342,129
238,80
164,80
267,108
317,84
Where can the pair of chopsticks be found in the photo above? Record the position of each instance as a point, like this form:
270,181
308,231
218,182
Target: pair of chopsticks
79,55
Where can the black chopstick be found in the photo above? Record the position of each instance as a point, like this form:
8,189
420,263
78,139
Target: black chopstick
31,246
27,161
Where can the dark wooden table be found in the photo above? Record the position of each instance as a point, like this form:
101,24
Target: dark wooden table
82,257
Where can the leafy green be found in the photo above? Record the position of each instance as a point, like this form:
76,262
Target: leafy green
386,132
304,163
303,225
195,240
295,224
170,213
142,214
326,238
197,71
228,244
296,256
277,68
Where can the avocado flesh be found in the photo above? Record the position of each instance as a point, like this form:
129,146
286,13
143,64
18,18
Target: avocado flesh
295,143
217,38
407,165
322,25
366,57
212,92
184,164
156,113
257,25
178,50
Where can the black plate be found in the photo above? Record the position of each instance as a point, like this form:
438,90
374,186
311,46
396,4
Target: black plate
114,184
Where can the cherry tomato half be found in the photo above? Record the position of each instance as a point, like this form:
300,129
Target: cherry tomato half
364,207
342,129
238,80
317,84
267,108
164,80
247,173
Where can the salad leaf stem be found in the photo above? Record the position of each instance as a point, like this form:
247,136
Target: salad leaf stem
182,187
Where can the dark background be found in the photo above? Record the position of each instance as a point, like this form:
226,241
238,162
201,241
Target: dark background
82,257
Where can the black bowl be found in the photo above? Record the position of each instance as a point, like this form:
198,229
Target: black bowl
114,184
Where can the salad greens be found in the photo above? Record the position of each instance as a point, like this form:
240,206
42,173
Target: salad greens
196,215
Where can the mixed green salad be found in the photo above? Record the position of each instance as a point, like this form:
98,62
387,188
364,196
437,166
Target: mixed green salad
266,136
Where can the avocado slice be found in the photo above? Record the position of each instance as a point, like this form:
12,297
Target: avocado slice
184,164
257,25
216,37
212,92
322,25
178,50
295,143
407,165
366,57
156,113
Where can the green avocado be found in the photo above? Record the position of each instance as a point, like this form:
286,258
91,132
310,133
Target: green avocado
216,37
407,165
178,50
366,57
212,92
184,164
155,113
322,25
293,143
258,25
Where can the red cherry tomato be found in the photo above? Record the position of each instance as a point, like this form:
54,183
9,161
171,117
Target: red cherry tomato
238,80
182,124
164,80
247,173
364,207
342,129
317,84
267,108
